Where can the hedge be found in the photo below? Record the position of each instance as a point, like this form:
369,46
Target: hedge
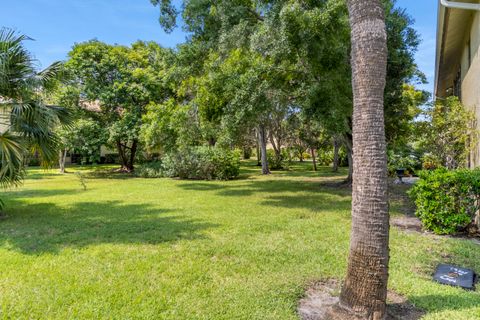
199,163
447,200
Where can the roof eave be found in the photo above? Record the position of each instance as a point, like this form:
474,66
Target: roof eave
439,46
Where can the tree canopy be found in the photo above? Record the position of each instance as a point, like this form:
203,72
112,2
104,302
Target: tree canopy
119,82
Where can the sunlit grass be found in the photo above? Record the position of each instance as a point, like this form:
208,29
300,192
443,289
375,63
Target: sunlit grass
132,248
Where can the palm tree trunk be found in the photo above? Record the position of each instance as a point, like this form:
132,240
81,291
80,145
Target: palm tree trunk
262,138
365,288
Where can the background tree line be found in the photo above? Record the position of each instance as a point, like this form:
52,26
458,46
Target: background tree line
252,75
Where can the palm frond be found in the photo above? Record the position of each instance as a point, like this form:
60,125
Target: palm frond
48,77
34,122
11,160
30,121
16,64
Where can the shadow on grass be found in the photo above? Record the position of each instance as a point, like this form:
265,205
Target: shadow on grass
287,193
295,169
399,199
41,174
319,203
40,193
45,227
447,302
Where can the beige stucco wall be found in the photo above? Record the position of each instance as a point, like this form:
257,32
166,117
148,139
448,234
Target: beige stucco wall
4,120
471,79
3,127
471,99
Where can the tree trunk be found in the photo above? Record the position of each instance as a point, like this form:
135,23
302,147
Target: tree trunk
127,160
133,153
61,160
259,155
365,288
349,147
336,148
277,147
312,151
262,137
122,155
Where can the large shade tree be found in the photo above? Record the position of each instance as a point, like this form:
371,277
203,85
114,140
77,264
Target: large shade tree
119,82
27,120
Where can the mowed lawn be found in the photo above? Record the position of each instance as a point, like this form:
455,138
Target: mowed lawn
133,248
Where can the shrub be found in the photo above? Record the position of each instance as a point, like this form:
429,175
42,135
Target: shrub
306,155
112,158
277,163
430,162
408,161
324,157
201,163
447,200
449,134
34,161
150,170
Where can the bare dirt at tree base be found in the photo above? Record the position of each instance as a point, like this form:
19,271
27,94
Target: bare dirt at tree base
407,223
321,303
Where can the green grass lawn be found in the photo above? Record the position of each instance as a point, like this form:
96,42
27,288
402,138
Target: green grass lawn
132,248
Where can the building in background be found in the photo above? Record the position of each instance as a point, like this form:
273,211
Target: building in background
457,69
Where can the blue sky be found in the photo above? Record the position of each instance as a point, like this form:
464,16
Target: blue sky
57,24
424,12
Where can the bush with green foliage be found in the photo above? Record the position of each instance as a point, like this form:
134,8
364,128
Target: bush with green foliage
448,134
431,162
324,157
34,161
111,158
150,170
275,162
403,160
84,137
447,201
198,163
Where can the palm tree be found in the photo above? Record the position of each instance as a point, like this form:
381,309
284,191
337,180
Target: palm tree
365,288
26,121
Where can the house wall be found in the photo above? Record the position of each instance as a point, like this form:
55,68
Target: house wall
4,120
471,78
3,127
